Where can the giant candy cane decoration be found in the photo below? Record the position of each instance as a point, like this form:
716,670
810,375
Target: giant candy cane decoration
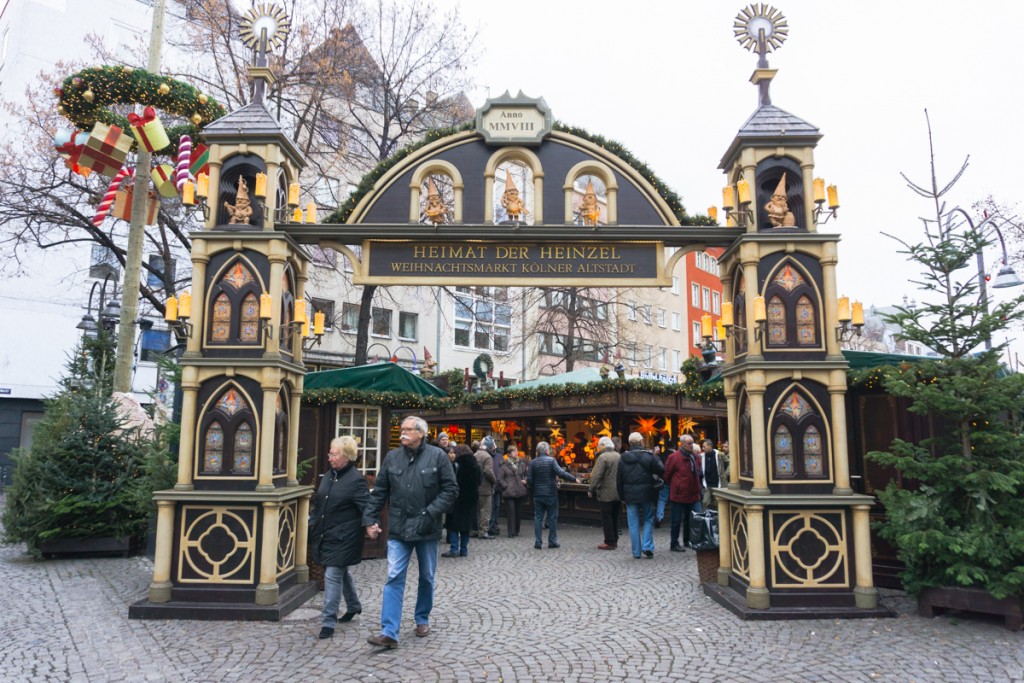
184,160
108,199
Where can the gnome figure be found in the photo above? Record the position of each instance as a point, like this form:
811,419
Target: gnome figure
510,200
241,212
778,209
590,211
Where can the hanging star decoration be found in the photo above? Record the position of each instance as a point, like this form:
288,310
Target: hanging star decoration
606,428
687,425
668,425
498,426
511,428
647,425
556,432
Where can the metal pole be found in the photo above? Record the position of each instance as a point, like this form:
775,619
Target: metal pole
136,233
983,291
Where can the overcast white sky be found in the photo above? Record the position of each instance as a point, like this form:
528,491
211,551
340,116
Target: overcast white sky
668,80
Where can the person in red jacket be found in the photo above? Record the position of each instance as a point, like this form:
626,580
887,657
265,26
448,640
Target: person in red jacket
682,475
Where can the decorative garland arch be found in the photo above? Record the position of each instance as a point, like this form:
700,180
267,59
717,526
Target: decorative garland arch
84,98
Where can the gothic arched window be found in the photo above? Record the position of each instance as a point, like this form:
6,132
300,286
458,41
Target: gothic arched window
792,311
235,307
739,312
798,449
228,436
281,433
746,456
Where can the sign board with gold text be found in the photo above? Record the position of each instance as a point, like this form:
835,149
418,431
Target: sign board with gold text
548,264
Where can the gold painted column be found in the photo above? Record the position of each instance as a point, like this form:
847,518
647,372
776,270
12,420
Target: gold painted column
187,436
757,593
294,410
840,453
807,178
213,199
270,384
302,540
751,291
865,594
758,446
160,588
200,260
268,591
831,303
732,411
270,202
538,197
724,542
272,343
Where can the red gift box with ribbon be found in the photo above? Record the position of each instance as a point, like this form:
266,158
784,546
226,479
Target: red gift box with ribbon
199,161
148,130
105,150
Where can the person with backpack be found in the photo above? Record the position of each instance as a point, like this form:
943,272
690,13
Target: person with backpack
639,470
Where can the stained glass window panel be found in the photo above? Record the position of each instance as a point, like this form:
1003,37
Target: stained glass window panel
249,329
796,406
213,449
231,402
221,318
243,450
789,278
783,452
805,322
776,322
238,276
814,463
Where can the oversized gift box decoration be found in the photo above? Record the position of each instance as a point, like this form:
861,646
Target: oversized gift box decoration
163,178
200,160
105,150
123,206
148,130
69,143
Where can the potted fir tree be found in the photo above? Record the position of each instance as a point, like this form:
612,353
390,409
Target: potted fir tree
81,488
959,531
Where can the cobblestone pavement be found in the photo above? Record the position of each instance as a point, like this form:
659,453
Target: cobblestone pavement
505,613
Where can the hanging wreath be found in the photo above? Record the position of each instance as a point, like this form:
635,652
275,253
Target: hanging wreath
84,98
483,366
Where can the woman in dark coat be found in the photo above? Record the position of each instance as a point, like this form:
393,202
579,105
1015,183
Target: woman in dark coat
336,531
463,515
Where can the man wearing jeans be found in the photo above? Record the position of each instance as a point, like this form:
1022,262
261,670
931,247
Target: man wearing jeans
540,480
635,484
419,482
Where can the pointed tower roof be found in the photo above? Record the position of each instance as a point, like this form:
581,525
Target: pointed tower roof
253,124
771,126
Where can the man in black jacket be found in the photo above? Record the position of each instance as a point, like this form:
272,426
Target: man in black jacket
419,481
540,480
635,483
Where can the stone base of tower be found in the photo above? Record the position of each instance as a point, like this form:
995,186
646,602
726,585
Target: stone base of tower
795,556
229,555
734,598
220,605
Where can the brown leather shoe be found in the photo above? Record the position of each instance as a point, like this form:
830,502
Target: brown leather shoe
422,630
606,546
382,641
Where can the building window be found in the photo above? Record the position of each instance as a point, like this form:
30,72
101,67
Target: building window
705,298
227,441
103,263
662,317
325,306
645,313
675,321
716,303
631,353
677,359
631,310
364,424
349,317
483,318
380,322
407,325
234,313
675,284
152,343
696,333
155,274
663,358
695,295
648,356
797,448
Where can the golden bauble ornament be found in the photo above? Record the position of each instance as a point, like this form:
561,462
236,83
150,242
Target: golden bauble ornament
203,99
127,69
60,109
88,96
164,89
197,118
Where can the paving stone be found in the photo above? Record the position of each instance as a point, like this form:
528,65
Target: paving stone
506,612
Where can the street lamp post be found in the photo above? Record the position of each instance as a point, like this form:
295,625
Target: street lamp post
1006,276
108,310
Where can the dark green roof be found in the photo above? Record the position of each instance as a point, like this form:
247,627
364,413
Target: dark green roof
386,376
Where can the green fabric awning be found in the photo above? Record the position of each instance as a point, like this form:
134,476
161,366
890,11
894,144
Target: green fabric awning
860,360
386,376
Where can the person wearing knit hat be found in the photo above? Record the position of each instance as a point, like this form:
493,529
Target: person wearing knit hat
488,444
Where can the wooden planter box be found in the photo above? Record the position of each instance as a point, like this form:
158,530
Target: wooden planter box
86,547
937,600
